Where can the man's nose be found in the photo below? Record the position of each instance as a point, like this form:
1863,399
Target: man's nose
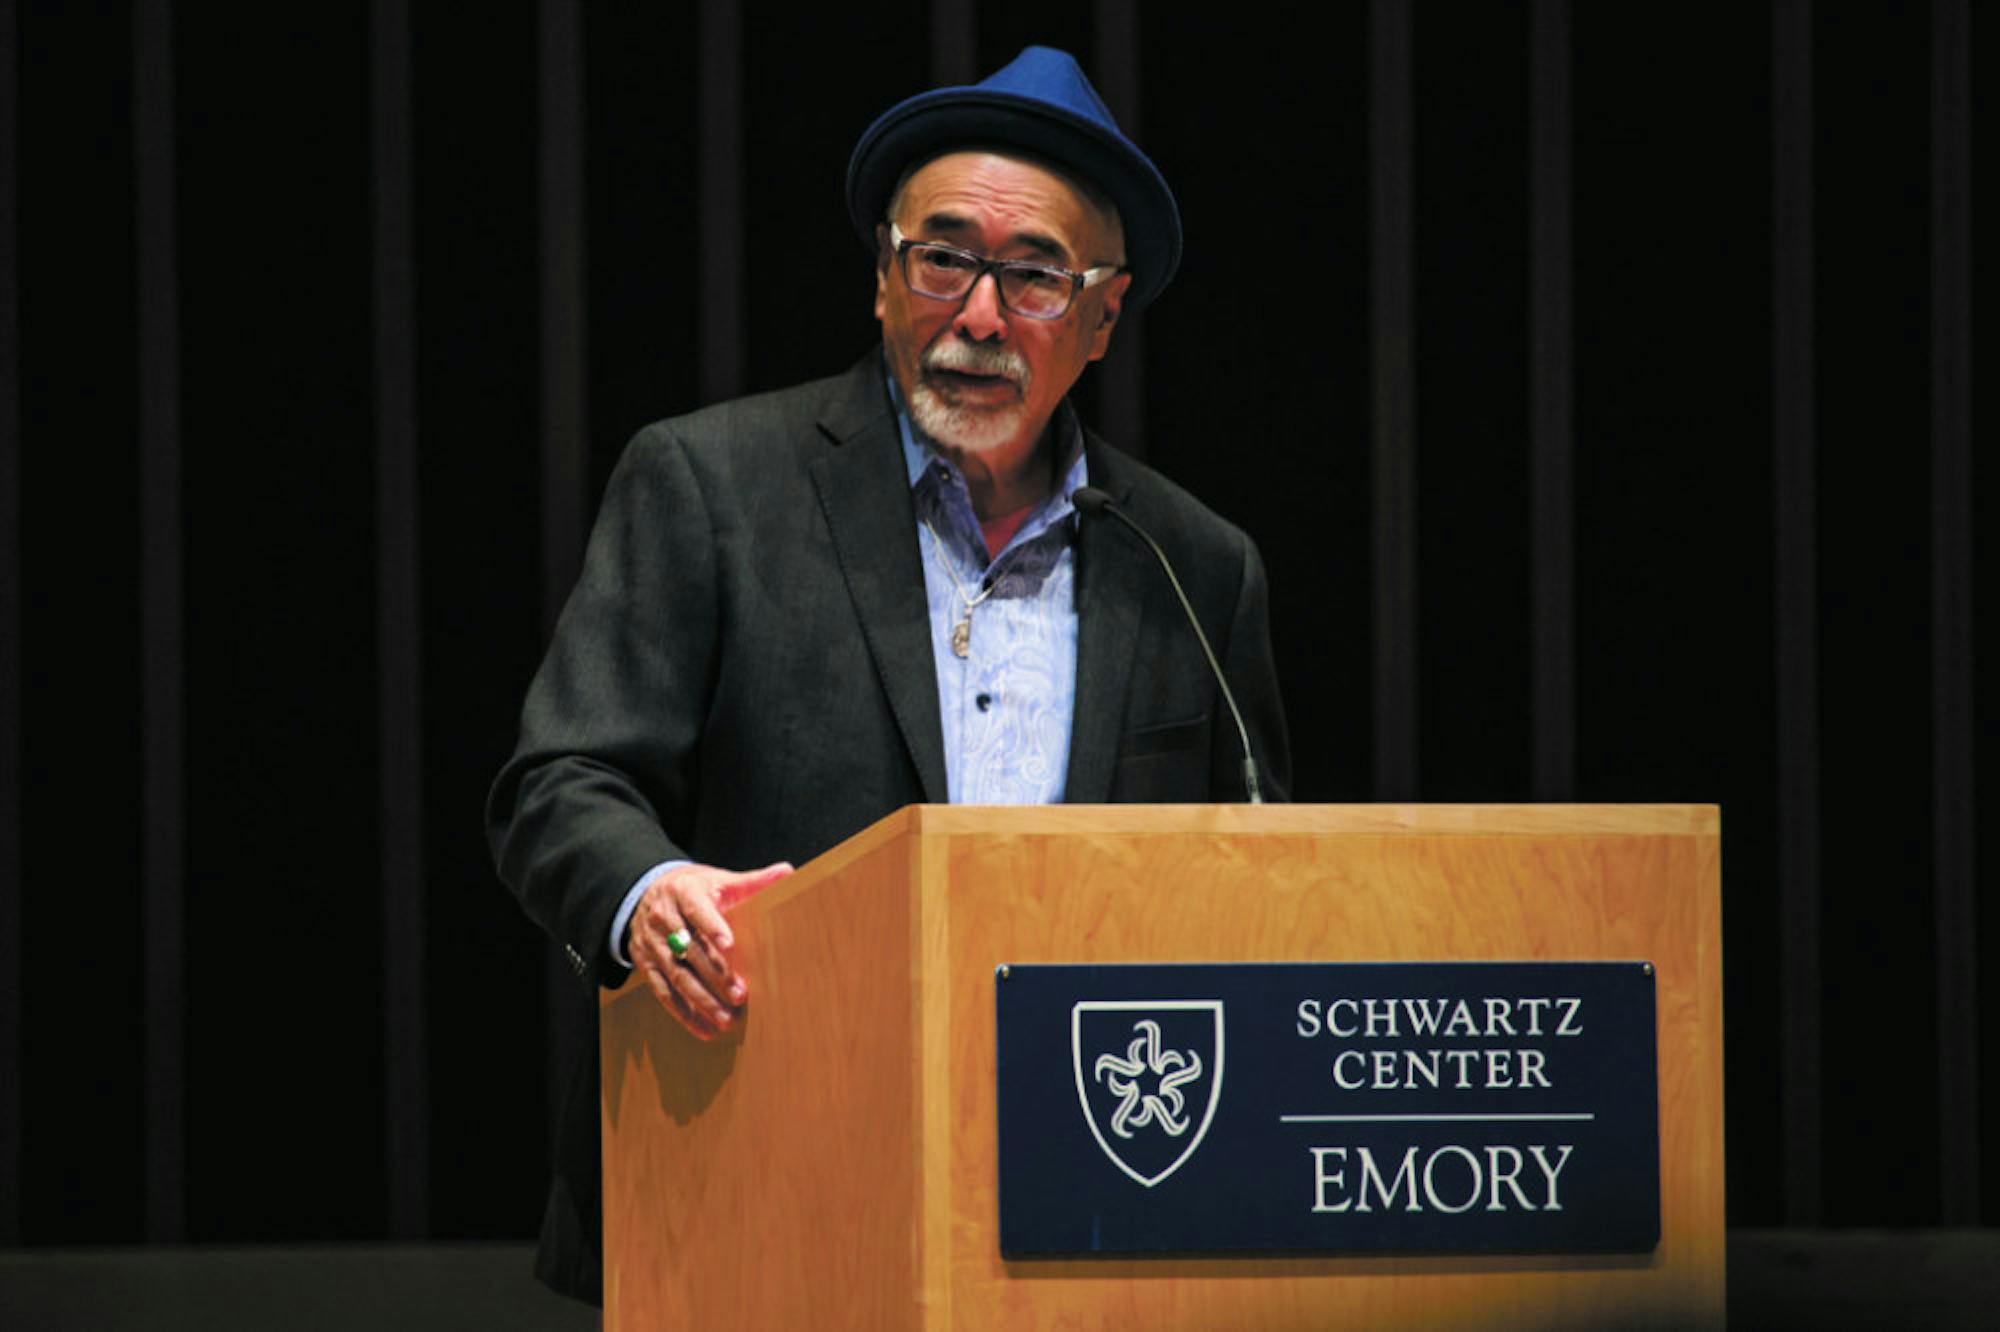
981,317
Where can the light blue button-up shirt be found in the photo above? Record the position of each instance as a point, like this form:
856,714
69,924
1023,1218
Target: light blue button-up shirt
1006,706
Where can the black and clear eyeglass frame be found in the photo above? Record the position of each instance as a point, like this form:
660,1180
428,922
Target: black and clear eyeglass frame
1026,288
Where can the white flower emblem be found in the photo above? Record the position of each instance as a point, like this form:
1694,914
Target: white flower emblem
1149,1086
1164,1105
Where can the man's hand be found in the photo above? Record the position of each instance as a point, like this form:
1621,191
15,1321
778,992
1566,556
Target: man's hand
701,987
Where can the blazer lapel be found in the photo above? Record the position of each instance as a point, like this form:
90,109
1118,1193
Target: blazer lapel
864,491
1111,584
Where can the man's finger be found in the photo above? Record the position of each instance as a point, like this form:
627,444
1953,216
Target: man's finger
702,953
689,894
714,970
706,921
687,982
671,1000
750,882
677,988
699,905
698,1028
695,1016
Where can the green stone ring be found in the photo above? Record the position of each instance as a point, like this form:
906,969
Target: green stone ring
679,942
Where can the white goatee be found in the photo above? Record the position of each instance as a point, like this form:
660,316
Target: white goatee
961,426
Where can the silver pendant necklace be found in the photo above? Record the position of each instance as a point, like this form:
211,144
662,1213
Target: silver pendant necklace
961,633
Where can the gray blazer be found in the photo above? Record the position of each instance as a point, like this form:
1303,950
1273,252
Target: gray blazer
744,674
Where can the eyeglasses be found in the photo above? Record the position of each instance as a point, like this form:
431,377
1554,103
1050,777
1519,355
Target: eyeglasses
947,273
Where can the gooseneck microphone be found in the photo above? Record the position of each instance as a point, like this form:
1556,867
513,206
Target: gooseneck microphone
1091,500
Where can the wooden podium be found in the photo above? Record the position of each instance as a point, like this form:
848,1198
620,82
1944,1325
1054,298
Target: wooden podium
832,1162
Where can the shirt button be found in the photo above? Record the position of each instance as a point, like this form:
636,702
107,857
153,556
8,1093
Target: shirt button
985,702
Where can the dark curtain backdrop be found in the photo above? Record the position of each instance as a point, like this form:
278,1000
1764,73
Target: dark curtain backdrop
1598,380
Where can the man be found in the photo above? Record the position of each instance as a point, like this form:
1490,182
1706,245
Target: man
804,610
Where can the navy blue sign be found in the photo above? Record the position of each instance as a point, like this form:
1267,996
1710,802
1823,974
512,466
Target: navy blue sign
1493,1107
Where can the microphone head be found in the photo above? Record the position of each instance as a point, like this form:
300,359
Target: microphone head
1089,499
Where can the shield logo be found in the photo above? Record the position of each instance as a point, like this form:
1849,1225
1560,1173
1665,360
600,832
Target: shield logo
1148,1076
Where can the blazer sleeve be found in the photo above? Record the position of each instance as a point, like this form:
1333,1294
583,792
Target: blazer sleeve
602,775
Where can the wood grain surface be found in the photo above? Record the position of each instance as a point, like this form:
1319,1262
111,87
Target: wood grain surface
832,1164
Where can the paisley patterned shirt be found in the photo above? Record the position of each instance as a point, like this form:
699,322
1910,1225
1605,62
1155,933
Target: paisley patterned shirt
1006,703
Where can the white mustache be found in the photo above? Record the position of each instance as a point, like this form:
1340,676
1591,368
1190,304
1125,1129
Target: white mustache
978,358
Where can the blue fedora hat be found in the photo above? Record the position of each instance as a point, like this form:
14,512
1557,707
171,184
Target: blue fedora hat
1041,103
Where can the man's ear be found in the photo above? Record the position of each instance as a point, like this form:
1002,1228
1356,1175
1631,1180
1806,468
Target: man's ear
883,256
1110,305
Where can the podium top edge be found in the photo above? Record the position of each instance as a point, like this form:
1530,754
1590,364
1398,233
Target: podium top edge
1305,820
